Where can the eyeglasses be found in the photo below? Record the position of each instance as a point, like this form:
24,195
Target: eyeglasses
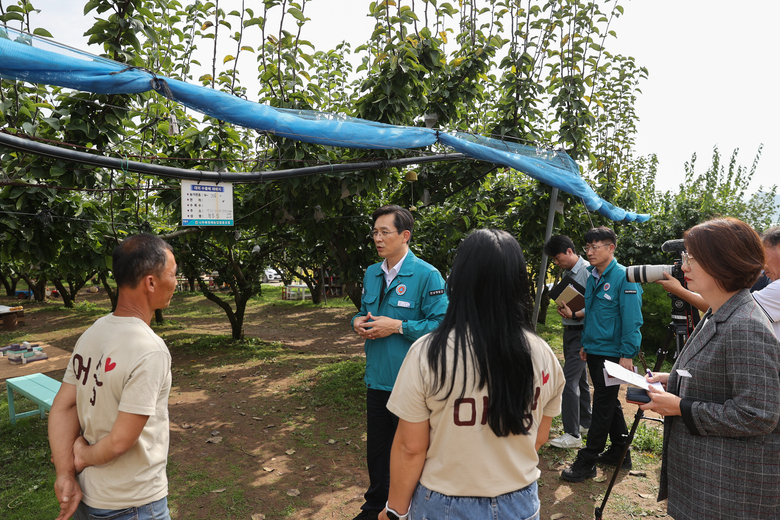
588,248
384,233
686,258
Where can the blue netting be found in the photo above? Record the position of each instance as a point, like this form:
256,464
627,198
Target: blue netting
37,60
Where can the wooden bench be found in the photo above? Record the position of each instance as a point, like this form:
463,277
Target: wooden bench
37,387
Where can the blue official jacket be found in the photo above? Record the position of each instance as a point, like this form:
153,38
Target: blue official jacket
613,314
417,297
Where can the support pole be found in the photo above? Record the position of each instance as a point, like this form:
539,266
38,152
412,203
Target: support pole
543,267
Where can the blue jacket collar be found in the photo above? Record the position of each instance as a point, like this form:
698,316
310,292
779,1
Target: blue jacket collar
611,266
407,269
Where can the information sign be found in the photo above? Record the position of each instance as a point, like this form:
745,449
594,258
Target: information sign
206,203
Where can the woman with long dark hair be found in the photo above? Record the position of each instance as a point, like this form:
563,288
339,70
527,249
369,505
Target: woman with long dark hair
475,398
721,455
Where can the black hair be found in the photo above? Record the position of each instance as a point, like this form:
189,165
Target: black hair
559,244
402,218
138,256
601,234
489,316
771,236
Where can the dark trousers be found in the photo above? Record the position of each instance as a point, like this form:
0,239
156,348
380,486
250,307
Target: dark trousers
380,432
607,419
575,409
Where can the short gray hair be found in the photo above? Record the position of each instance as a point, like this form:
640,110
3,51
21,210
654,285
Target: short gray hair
771,236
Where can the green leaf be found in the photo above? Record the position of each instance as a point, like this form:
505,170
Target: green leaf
297,14
40,31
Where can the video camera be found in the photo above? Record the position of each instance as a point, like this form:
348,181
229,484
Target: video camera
651,273
683,316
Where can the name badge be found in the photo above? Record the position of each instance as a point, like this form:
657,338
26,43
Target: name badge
607,297
404,304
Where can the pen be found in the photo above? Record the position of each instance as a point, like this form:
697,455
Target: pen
648,372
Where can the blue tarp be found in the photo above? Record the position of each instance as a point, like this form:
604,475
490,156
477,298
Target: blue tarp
64,67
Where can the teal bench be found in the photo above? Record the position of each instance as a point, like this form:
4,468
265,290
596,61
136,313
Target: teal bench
37,387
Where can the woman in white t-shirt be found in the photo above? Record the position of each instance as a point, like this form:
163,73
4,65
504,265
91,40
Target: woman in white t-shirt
475,398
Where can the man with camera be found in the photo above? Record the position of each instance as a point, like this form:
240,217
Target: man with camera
576,394
613,317
768,298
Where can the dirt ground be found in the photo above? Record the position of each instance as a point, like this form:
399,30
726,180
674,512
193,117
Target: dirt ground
248,440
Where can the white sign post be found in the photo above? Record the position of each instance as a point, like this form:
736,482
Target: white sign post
206,203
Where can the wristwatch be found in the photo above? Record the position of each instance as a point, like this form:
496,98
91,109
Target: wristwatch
392,515
401,329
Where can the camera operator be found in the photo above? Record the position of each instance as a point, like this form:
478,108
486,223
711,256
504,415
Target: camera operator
768,298
673,286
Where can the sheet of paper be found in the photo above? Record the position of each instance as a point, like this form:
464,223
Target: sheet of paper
612,381
631,378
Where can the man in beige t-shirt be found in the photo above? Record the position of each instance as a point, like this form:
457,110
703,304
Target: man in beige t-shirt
108,427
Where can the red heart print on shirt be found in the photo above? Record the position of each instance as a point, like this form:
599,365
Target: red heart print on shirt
109,365
545,377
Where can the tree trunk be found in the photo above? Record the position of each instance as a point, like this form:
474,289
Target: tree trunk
67,300
355,293
236,324
69,294
352,289
112,294
315,286
237,327
38,287
158,316
10,284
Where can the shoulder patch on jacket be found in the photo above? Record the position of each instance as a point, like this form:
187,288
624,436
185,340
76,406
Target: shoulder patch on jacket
629,291
436,292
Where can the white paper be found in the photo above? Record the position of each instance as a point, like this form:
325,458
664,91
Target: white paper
631,378
612,381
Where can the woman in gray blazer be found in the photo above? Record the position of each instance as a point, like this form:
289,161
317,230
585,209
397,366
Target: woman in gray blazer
721,455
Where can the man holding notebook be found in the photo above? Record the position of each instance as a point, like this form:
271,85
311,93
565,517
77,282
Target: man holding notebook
576,394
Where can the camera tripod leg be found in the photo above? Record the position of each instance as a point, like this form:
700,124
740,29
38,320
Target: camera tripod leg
637,417
660,356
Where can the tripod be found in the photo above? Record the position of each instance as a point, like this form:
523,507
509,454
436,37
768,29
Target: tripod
677,329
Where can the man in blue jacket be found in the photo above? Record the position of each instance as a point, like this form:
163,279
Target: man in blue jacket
403,299
613,317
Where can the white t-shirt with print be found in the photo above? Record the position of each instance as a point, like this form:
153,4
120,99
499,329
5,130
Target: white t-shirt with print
120,364
465,457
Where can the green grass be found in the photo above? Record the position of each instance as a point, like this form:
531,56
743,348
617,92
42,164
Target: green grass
199,482
648,438
249,349
27,485
193,304
340,387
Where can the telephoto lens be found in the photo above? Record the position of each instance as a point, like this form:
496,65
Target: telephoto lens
647,273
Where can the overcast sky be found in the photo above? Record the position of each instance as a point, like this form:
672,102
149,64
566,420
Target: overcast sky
712,67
